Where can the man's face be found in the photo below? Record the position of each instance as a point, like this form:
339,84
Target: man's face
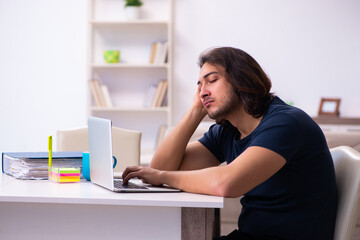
216,93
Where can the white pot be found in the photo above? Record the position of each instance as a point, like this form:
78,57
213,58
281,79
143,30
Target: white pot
132,12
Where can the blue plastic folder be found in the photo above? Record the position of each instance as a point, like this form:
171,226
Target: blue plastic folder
34,165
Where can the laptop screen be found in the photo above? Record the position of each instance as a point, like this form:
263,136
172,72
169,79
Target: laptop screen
100,152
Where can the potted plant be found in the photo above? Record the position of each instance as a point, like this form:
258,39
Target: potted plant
132,8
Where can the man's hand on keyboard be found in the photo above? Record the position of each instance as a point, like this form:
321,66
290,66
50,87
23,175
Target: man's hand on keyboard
146,174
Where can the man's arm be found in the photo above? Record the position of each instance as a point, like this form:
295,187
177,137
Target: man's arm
174,153
251,168
248,170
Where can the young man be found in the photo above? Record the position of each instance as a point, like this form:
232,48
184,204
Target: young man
277,156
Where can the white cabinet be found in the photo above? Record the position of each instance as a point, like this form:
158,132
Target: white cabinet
129,80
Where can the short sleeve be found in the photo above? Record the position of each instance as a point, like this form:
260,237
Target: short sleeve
211,140
283,135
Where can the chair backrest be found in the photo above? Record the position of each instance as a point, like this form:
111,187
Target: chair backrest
126,144
347,171
72,140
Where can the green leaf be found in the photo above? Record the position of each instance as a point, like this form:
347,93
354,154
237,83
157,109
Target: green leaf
134,3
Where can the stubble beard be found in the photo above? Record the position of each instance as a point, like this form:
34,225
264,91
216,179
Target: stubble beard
230,104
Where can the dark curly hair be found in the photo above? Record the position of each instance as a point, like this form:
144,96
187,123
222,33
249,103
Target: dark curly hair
249,81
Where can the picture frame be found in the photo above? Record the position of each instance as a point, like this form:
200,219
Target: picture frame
329,107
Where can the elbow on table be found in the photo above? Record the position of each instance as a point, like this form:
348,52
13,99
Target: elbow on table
222,189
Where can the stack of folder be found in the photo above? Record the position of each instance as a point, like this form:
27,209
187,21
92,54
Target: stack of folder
34,165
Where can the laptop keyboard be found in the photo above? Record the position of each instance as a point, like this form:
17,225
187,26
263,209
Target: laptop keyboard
119,185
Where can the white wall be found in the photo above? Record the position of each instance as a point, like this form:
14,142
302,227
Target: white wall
42,70
310,49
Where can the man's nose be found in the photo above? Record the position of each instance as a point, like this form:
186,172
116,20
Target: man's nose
204,92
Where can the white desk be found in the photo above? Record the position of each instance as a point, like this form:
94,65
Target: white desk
45,210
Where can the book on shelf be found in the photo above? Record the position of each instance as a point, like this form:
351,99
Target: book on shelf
152,53
163,53
150,95
162,93
34,165
161,134
156,95
106,95
95,93
159,53
100,93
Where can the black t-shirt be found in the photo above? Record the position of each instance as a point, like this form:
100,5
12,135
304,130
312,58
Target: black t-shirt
299,201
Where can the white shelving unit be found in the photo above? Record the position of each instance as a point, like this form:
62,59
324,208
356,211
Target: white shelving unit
129,80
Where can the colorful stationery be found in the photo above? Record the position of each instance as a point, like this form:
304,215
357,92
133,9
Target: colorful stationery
64,175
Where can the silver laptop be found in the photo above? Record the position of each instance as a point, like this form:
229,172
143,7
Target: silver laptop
101,165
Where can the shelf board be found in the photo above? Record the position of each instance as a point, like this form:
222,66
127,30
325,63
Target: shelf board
336,120
130,109
128,22
127,65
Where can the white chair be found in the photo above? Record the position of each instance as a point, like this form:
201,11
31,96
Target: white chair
347,171
126,144
72,140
